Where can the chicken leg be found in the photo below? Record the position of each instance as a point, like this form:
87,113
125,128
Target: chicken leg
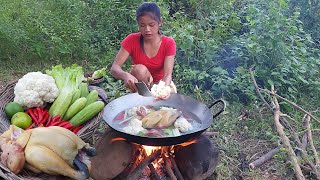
48,161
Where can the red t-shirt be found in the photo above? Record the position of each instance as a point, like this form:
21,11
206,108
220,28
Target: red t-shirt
155,64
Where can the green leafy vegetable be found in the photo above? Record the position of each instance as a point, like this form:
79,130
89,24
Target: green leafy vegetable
67,80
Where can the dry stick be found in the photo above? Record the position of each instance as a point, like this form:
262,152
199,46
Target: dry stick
135,174
264,158
257,89
290,102
285,140
168,168
153,172
287,116
175,167
311,140
304,141
305,155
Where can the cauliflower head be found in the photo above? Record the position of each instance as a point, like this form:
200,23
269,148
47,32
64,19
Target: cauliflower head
34,89
134,127
160,90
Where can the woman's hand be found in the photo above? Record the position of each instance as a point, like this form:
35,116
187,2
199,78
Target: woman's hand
130,81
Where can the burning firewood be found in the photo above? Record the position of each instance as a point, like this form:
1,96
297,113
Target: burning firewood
145,162
153,172
168,168
175,167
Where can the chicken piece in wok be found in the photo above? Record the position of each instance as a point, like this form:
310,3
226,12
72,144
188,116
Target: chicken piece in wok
162,118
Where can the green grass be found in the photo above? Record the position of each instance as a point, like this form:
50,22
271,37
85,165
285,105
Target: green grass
11,69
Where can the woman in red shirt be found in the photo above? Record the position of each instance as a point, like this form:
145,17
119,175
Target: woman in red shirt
152,54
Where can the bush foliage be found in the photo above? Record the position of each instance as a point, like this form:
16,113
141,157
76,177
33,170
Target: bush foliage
218,41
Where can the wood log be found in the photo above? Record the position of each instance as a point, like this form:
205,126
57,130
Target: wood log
175,168
168,168
144,163
264,158
198,160
112,158
154,174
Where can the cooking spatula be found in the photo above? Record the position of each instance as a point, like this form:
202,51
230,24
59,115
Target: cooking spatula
143,90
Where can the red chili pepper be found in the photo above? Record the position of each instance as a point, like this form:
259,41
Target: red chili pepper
63,123
75,130
56,118
35,112
44,119
40,117
120,116
44,112
33,116
67,125
49,120
55,123
153,134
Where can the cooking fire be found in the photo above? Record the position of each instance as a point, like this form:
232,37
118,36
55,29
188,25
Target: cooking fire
194,159
156,162
149,139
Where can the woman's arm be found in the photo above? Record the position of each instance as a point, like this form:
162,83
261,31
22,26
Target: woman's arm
168,68
118,73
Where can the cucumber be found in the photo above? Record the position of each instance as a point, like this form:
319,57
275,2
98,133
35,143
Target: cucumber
84,89
76,95
87,113
92,97
61,104
75,107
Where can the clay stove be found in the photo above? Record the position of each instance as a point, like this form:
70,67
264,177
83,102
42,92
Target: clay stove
120,159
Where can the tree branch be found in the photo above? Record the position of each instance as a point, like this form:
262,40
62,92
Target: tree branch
290,102
257,89
285,140
310,139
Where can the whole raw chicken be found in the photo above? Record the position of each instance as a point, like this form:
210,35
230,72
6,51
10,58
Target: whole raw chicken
52,150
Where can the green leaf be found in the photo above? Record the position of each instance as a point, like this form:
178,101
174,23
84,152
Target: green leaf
303,80
270,82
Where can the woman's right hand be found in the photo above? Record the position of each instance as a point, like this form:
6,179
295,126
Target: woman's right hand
130,81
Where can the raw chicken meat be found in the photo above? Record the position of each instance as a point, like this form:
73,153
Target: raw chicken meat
52,150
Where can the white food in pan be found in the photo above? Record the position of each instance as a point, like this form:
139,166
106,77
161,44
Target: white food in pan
160,90
182,124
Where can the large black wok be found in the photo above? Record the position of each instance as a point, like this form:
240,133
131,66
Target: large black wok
178,101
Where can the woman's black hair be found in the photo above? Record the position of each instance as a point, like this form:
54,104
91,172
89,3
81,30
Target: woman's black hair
148,8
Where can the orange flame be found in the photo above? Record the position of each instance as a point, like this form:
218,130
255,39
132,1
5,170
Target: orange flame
150,149
188,143
117,139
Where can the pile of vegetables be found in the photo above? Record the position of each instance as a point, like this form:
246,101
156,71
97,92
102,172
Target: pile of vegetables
60,97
